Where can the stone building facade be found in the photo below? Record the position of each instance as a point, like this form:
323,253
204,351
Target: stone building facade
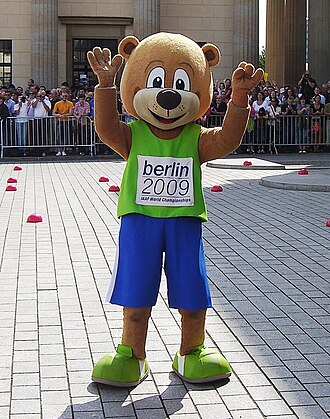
286,40
47,39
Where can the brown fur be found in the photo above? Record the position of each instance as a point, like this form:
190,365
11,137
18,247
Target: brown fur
168,52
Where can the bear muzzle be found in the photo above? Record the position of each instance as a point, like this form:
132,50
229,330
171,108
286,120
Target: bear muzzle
168,99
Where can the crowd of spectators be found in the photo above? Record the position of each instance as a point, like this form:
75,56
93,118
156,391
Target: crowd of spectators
268,103
36,103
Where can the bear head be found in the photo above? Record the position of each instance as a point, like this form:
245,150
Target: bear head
167,79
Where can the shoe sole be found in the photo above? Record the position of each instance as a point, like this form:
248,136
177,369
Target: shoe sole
118,383
202,380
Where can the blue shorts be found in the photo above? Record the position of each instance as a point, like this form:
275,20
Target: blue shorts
137,272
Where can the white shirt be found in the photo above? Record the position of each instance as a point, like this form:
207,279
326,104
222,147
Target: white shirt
39,110
22,116
256,107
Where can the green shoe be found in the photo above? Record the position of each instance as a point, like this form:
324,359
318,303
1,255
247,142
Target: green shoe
201,365
121,369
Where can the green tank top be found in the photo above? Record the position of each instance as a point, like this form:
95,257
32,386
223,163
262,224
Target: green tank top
162,178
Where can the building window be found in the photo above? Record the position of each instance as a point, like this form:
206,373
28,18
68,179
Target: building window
81,67
5,62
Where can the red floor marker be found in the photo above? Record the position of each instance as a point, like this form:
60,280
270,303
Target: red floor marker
11,188
303,172
34,218
11,180
247,163
114,188
104,179
327,223
216,188
17,168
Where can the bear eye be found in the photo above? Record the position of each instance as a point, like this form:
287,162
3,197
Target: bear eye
156,78
181,80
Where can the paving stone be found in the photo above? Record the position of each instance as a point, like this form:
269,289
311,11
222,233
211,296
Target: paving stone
308,412
269,281
298,398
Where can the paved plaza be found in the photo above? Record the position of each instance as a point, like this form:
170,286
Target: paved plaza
268,260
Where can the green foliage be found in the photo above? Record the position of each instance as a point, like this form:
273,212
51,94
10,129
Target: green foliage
262,58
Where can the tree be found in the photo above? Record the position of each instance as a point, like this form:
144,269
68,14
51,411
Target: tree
262,58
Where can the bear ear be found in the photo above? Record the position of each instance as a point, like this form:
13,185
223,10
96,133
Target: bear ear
127,45
212,54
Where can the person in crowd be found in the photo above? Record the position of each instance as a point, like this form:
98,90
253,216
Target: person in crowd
4,111
221,106
288,93
214,97
89,95
272,95
317,91
91,104
21,123
289,107
275,87
14,96
9,102
327,113
261,128
307,85
81,112
288,110
65,85
327,92
29,86
316,110
75,87
42,106
223,96
266,91
53,99
249,133
228,89
220,86
273,113
30,99
81,92
126,116
259,102
119,103
62,110
4,114
302,123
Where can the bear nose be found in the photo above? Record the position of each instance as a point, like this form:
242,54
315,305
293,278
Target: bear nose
168,99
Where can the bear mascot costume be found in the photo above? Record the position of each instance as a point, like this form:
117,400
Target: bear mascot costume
166,85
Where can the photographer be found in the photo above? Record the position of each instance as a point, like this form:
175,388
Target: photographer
41,107
261,128
21,122
307,86
273,111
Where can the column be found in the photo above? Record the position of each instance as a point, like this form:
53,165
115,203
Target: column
246,32
319,40
294,41
44,42
146,18
275,41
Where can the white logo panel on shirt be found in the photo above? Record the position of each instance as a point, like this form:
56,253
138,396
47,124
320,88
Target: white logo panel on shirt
165,181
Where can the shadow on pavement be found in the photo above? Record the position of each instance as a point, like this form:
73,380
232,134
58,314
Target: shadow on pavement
123,402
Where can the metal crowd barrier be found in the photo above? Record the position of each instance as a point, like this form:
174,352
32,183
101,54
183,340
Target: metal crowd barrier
47,133
52,134
283,133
